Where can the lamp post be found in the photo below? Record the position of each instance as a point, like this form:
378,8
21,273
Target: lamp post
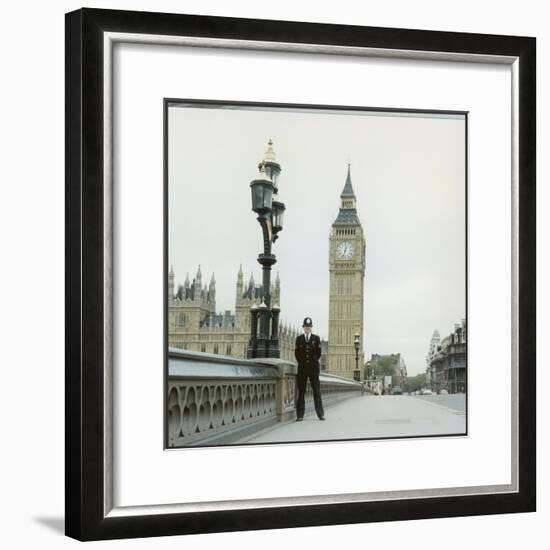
253,327
356,372
269,210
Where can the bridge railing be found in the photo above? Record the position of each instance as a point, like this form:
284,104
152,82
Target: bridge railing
216,399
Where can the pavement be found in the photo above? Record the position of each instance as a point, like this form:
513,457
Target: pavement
369,416
455,401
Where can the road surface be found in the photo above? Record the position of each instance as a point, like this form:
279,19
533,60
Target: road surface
371,416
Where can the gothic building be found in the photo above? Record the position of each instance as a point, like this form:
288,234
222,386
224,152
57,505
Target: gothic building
346,291
195,324
447,365
432,350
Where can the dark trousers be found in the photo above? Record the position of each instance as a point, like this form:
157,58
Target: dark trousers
301,381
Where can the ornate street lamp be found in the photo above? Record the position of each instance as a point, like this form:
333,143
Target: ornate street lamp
272,168
262,194
265,203
277,212
356,372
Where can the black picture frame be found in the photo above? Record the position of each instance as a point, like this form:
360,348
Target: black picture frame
85,242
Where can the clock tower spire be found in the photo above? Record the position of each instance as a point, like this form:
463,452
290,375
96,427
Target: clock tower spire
346,291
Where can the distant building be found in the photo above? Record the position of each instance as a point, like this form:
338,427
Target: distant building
434,342
194,323
447,365
392,365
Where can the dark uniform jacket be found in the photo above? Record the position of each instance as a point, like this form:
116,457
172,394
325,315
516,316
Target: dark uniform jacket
308,354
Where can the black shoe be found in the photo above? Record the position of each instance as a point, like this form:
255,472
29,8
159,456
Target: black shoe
321,418
299,419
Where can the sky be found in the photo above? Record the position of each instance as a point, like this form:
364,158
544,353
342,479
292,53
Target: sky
408,174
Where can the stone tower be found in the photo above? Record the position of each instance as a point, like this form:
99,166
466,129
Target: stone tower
193,303
245,296
346,291
434,342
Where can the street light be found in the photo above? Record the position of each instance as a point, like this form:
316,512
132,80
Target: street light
262,194
269,210
272,168
277,212
356,372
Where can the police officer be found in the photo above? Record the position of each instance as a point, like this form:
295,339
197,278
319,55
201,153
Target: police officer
307,353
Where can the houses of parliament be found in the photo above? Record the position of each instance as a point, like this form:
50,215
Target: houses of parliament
194,324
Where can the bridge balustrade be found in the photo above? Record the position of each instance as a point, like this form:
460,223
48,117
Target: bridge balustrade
216,399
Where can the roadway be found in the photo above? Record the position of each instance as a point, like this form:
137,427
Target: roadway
368,416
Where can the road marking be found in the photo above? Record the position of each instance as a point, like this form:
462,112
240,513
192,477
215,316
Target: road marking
392,421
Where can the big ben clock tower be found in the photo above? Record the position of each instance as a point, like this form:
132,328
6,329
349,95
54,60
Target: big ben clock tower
347,275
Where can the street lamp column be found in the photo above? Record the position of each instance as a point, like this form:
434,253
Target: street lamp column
253,342
262,346
269,210
356,372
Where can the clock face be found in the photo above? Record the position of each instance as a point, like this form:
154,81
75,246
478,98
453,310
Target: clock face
344,250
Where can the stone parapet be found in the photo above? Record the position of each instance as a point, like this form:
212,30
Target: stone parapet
215,399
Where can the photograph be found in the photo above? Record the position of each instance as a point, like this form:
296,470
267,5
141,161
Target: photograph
315,273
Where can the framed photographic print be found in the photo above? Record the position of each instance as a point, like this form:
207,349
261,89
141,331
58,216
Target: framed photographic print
297,254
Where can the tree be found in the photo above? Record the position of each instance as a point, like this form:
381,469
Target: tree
385,365
414,383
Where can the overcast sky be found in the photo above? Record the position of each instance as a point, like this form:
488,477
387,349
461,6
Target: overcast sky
408,174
